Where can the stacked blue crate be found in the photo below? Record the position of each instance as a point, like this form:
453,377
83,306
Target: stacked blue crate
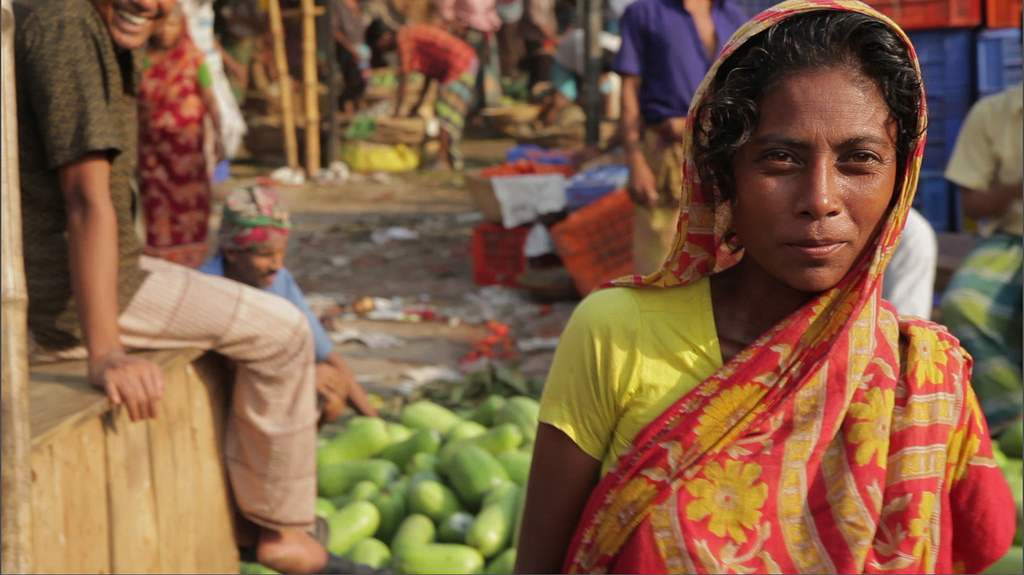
1000,60
947,65
755,7
593,184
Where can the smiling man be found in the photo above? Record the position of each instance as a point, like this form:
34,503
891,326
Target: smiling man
94,296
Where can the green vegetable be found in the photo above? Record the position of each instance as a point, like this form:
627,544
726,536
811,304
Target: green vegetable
335,480
365,490
473,473
392,511
522,411
422,461
356,442
1012,562
428,415
398,432
416,529
503,564
453,529
438,558
357,520
498,439
517,464
370,551
492,529
465,430
433,499
484,413
324,507
420,441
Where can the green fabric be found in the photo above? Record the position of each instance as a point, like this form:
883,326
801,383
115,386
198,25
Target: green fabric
982,308
76,95
203,75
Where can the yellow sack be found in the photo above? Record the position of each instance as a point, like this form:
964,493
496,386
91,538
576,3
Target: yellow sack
372,157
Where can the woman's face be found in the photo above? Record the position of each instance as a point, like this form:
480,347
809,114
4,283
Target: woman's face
814,182
168,30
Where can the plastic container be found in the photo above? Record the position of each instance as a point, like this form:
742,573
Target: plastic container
593,184
537,154
222,171
924,14
947,66
1003,13
1000,60
936,201
596,241
498,254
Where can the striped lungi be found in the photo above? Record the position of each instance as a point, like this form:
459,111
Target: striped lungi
453,101
982,308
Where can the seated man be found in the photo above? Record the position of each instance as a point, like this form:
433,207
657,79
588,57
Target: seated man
982,304
93,295
253,238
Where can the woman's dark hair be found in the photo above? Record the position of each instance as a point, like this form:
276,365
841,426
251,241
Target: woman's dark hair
821,39
375,31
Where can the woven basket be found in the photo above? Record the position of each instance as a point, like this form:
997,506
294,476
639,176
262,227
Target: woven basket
510,120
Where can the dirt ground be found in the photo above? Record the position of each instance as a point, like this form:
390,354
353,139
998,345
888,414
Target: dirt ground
338,254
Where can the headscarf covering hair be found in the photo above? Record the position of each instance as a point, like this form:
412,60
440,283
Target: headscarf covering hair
806,453
252,216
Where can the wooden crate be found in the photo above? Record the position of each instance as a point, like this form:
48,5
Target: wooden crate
112,496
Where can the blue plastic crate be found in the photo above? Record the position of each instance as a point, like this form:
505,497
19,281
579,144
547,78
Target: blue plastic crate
222,171
936,201
593,184
537,154
1000,60
948,68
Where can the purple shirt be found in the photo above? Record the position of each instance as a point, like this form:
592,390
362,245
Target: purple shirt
661,45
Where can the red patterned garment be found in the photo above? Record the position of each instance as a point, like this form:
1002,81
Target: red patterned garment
173,177
433,52
844,440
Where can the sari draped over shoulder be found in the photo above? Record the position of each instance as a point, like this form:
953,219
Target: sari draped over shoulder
844,440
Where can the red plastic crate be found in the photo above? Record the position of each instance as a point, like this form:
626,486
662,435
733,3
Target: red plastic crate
921,14
498,254
1003,13
596,241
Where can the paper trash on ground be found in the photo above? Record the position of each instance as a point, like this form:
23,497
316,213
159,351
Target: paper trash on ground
524,198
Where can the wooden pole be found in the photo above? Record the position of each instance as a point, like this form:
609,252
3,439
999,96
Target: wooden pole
312,87
15,466
592,48
284,80
330,152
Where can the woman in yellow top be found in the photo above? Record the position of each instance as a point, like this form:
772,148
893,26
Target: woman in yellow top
755,406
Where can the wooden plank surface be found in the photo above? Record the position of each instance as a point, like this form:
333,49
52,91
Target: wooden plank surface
178,508
80,460
60,397
133,523
48,526
209,392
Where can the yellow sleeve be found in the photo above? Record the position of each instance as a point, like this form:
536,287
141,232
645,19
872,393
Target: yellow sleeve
591,370
974,163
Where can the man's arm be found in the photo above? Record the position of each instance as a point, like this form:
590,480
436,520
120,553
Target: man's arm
93,260
642,185
979,204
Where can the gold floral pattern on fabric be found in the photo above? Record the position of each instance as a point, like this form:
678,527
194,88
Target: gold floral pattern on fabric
730,495
928,355
872,436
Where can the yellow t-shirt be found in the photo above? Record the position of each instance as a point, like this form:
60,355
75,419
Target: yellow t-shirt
626,355
988,152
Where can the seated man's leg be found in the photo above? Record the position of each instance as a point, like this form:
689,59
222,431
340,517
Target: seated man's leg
271,436
982,308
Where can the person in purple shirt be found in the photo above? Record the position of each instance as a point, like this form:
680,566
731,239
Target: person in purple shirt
667,48
253,238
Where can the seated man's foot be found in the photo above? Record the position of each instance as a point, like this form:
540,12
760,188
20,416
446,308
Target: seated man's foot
291,551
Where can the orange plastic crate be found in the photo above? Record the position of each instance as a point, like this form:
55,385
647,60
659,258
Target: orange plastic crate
498,254
921,14
596,241
1003,13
